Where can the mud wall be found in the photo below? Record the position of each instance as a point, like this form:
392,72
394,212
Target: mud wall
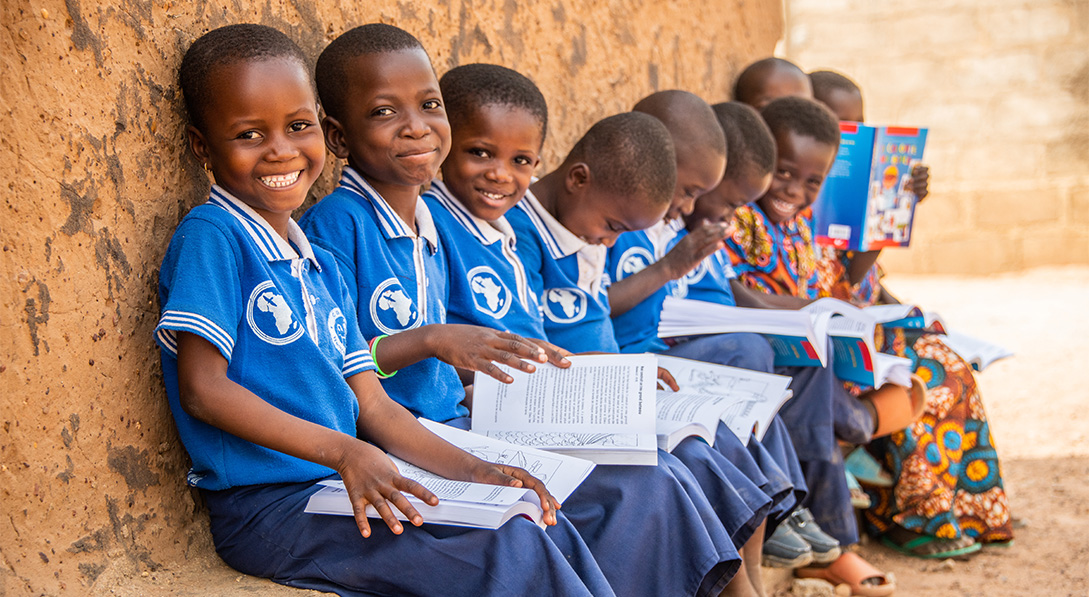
91,470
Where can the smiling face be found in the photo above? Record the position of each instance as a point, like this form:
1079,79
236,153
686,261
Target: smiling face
261,137
394,129
697,173
800,169
493,155
719,204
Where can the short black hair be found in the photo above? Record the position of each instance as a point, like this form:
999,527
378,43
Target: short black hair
826,81
687,118
226,46
630,154
802,116
749,142
332,67
745,86
470,87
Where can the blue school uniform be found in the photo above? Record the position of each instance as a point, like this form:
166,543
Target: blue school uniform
637,329
397,278
488,285
656,544
557,259
279,312
802,438
568,276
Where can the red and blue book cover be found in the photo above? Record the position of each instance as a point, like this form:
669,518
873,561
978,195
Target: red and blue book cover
867,201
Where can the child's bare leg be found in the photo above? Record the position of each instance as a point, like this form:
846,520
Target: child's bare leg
750,556
739,585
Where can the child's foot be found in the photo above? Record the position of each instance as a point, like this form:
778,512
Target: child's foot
928,546
786,549
825,548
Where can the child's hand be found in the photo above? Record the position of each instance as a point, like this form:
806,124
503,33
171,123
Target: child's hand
371,478
512,476
556,355
920,181
667,379
478,348
694,248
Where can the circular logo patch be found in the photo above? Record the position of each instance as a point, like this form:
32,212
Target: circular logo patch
270,317
392,310
564,305
338,329
633,261
490,295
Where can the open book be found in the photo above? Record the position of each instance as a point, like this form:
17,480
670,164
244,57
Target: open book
799,339
856,357
601,408
867,201
979,353
709,394
472,504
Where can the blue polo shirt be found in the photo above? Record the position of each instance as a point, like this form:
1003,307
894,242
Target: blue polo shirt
637,329
568,277
488,285
710,280
280,313
397,277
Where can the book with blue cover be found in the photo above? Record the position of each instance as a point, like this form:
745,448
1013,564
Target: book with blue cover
867,201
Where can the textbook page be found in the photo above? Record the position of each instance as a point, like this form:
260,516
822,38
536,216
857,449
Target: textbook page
798,337
906,316
745,398
979,353
461,503
560,474
601,408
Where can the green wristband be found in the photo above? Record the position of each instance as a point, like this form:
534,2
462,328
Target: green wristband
374,357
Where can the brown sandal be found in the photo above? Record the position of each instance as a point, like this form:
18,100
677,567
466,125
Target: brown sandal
850,569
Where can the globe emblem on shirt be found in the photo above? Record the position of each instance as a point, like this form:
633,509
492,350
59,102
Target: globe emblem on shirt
338,328
564,305
490,295
391,308
269,316
633,261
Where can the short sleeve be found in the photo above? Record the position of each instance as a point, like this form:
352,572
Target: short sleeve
529,250
200,288
329,225
357,357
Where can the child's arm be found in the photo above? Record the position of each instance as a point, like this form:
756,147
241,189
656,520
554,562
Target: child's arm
369,475
471,347
625,294
388,424
747,297
860,264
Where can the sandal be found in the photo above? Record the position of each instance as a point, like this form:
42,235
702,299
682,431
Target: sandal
891,411
850,569
955,547
860,500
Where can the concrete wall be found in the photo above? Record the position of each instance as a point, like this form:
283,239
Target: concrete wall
91,470
1004,87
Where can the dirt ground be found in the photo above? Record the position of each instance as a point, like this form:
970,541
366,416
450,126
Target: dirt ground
1037,403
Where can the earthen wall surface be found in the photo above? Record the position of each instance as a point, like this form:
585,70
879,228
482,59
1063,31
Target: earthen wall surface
1003,86
97,178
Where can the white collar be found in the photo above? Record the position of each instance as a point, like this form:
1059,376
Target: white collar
267,240
391,224
560,241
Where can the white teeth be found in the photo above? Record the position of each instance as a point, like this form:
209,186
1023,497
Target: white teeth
783,206
281,180
492,196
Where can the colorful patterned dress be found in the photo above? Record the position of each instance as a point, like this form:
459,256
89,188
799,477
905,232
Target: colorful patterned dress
948,480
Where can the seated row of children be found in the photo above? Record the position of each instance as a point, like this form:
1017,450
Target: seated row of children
299,352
